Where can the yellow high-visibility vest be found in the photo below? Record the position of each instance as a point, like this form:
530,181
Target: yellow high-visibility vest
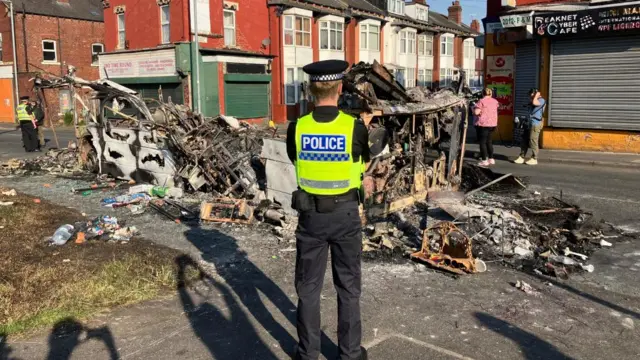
23,115
324,163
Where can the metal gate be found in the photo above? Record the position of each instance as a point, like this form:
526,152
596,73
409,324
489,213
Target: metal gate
246,100
526,75
595,83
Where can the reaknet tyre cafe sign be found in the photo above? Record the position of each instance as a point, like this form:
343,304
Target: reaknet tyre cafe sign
613,20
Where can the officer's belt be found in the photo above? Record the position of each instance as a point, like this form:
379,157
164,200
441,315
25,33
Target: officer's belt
351,195
25,121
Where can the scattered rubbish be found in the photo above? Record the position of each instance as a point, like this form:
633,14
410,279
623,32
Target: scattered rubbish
628,323
227,210
11,192
62,235
537,193
47,185
526,288
290,249
37,201
605,243
588,268
568,252
66,260
549,211
125,234
80,237
124,200
6,203
87,193
487,185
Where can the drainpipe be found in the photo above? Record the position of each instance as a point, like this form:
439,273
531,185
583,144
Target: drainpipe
197,55
24,37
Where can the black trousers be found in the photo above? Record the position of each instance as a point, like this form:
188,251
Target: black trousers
29,136
486,143
317,233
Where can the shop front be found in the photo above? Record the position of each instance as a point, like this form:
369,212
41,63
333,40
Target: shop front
593,78
150,72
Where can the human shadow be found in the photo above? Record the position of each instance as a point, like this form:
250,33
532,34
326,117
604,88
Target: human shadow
225,336
249,282
5,350
532,347
69,333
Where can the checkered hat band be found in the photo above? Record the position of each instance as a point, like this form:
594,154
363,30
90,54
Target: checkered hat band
318,156
329,77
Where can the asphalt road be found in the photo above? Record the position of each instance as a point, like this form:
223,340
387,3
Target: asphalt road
246,310
11,142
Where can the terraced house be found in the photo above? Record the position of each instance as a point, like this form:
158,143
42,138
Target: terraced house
421,47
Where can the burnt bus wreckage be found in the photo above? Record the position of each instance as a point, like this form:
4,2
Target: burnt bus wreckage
417,136
417,139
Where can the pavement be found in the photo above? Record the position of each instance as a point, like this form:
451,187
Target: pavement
245,308
11,141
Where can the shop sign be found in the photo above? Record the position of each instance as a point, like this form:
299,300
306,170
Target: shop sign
518,20
500,78
133,66
620,19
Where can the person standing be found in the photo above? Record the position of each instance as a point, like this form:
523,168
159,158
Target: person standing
329,150
27,125
485,121
536,114
38,113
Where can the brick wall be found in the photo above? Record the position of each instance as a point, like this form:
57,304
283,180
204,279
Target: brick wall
142,24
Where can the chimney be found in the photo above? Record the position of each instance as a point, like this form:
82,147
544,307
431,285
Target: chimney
455,12
475,25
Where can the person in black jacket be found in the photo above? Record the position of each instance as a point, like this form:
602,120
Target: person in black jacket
38,113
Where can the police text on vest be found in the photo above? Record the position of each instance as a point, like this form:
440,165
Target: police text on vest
324,143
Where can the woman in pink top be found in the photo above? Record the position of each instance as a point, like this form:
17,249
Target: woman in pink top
485,121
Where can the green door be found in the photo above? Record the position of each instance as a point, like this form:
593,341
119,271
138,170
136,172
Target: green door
246,96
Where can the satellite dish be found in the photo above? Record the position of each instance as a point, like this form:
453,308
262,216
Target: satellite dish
266,42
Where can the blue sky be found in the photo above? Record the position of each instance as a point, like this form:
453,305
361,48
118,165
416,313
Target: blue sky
471,9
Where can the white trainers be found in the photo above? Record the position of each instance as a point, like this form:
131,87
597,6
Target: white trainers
519,160
484,163
492,161
532,161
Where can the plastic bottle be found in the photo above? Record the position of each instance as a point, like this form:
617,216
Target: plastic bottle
62,235
159,191
563,260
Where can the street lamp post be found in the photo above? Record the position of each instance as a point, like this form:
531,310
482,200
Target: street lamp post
197,55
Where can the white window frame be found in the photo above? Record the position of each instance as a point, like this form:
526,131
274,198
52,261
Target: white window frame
55,52
396,6
421,13
294,32
93,53
446,43
425,77
468,50
367,32
446,77
165,37
229,40
335,34
411,78
403,42
411,42
122,32
426,41
294,85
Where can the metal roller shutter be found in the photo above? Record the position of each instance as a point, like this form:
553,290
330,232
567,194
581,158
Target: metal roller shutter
526,76
595,83
246,100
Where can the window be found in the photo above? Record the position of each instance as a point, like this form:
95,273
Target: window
294,77
331,35
96,49
407,42
425,45
421,14
49,53
469,50
229,28
446,45
370,37
396,6
446,77
297,31
424,77
401,76
411,78
164,23
121,32
0,47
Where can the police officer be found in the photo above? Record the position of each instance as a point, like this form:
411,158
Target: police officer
329,150
27,125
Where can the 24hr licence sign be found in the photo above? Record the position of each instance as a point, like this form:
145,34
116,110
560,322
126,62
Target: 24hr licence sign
619,19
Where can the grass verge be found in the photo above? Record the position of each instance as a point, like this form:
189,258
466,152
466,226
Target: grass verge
41,285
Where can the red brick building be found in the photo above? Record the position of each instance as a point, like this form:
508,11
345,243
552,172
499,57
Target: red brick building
150,46
50,35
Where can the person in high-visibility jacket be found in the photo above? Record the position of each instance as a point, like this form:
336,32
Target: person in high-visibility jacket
27,125
329,150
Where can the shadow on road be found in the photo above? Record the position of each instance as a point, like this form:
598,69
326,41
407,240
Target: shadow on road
5,350
6,132
69,333
532,347
248,282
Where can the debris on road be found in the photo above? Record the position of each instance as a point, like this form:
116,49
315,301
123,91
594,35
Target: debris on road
11,192
526,288
227,210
